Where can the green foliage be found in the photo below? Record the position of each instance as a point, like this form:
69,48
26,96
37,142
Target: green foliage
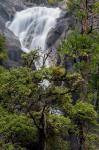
10,146
20,86
96,7
82,82
16,85
93,141
78,45
51,73
21,89
53,1
75,7
60,123
59,144
84,112
29,59
3,54
30,97
83,49
16,128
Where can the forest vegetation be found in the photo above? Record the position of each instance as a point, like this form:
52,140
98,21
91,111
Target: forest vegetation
56,107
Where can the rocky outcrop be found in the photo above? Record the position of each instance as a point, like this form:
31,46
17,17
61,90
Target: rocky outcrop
7,11
14,50
58,33
38,2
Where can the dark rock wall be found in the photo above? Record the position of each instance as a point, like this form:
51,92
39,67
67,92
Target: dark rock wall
7,11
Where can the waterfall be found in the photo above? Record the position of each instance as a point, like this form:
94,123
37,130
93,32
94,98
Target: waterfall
32,26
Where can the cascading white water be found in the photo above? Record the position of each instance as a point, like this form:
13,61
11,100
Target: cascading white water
32,26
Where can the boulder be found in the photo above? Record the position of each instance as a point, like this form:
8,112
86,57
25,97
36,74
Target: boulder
13,49
64,23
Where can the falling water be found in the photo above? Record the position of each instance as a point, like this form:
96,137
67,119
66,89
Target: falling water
32,26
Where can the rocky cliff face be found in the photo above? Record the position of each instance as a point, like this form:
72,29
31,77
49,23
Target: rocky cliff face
7,10
38,2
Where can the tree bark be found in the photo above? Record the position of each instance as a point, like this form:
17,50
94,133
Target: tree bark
42,140
43,132
82,139
85,19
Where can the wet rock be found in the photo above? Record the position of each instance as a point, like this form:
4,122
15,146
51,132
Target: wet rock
62,26
7,10
13,49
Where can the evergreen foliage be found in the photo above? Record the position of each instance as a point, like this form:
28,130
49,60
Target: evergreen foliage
54,108
3,53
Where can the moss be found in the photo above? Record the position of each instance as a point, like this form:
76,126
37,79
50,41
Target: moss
53,1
